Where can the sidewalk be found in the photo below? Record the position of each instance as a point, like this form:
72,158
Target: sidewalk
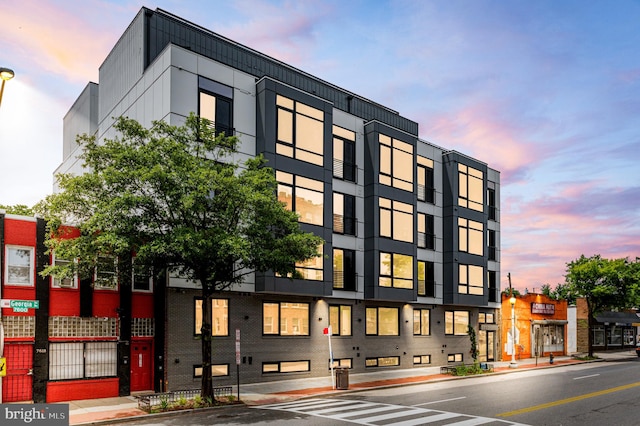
108,410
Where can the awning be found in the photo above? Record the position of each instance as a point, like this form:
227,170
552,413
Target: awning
550,322
621,318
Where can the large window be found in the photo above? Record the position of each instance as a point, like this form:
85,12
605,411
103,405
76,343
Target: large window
67,281
344,269
79,360
300,131
344,214
470,192
396,163
312,269
456,323
471,279
426,231
470,236
219,317
106,273
396,270
285,319
340,320
426,187
382,321
421,322
344,154
396,220
216,105
302,195
19,265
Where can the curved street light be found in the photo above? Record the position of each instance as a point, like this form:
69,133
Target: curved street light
5,74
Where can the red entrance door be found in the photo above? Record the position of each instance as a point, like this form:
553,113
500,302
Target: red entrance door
17,385
141,366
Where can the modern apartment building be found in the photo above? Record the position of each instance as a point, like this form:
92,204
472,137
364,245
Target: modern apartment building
411,230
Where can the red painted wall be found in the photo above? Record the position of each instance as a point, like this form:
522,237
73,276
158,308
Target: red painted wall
19,232
82,389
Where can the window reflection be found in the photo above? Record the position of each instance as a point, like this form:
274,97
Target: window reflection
470,184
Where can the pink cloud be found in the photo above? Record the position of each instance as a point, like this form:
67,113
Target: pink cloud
286,32
543,234
59,41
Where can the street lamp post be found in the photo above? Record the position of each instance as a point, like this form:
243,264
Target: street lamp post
513,363
5,75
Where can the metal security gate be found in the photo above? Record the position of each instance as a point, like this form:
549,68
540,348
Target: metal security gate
17,384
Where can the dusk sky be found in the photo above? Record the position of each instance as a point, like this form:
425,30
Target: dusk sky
547,92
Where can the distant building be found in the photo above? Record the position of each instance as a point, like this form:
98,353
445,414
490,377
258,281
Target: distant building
541,326
611,330
412,231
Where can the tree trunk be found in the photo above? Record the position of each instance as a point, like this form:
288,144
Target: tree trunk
207,384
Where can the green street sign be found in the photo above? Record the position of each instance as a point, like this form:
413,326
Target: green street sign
20,305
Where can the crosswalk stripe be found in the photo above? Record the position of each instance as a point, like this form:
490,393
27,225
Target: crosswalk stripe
374,414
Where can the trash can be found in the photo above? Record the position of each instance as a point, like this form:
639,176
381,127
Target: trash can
342,378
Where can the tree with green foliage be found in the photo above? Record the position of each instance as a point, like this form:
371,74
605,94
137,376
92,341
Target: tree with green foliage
605,284
561,292
172,197
18,209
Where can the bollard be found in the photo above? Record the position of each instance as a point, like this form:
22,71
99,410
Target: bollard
551,358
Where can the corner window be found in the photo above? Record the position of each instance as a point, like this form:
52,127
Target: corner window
344,154
382,321
396,163
302,195
470,184
216,105
312,269
456,323
300,131
285,319
396,270
470,236
19,265
344,269
219,317
340,320
471,279
396,220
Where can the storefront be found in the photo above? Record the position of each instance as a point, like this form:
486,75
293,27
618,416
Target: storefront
615,330
540,326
